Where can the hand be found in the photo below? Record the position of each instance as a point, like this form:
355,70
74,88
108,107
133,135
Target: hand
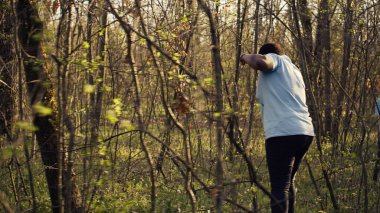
242,61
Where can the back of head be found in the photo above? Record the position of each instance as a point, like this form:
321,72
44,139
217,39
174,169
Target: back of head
271,48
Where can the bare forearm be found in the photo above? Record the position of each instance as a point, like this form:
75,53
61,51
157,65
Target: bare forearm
250,59
257,61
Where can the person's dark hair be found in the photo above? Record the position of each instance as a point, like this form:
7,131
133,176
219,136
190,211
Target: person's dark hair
271,48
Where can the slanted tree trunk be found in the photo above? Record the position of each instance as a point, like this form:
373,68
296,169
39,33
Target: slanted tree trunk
40,91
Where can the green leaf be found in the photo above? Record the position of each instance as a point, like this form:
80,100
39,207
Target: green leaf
6,153
117,106
217,2
184,19
111,116
101,33
182,76
99,80
217,114
36,37
127,125
100,182
107,88
42,110
84,63
117,101
105,162
88,88
141,41
208,81
26,126
103,151
164,36
86,45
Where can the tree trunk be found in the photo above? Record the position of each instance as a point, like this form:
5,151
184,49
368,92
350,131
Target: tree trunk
6,58
70,192
89,124
347,39
305,18
217,66
304,68
322,62
376,170
30,36
252,89
40,91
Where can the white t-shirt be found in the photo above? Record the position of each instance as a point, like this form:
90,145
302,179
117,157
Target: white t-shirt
281,93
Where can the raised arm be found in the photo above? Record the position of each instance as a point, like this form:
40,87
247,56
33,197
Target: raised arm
257,61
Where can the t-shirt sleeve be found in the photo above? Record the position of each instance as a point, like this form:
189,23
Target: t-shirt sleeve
274,58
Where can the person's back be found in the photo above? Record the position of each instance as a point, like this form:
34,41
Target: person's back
281,93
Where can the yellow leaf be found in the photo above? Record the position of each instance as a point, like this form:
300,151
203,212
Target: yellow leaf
26,126
217,114
86,45
208,81
127,125
111,116
88,88
42,110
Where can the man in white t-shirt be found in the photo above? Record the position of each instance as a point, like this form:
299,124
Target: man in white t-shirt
287,124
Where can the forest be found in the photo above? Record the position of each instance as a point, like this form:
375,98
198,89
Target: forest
144,106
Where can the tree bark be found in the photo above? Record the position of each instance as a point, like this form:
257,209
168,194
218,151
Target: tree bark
217,66
72,197
304,68
322,62
87,161
252,89
347,41
305,18
137,101
7,56
376,169
40,91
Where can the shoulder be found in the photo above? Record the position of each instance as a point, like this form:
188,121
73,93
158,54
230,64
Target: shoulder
276,59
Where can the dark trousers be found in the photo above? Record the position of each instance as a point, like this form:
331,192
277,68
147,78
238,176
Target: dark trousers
284,155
